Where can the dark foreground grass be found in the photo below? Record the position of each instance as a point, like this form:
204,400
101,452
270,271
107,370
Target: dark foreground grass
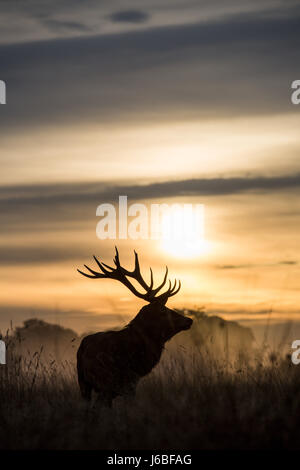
190,401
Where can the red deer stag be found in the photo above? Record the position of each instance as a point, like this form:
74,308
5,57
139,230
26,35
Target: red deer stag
112,362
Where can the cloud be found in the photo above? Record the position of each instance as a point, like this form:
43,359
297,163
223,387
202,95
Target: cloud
19,19
240,65
27,208
251,266
12,255
288,262
129,16
89,192
61,25
235,266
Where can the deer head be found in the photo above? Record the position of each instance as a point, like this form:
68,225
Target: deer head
155,318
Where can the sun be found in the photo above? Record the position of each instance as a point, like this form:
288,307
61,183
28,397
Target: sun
182,231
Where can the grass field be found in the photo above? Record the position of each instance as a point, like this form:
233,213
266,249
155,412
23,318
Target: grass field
189,401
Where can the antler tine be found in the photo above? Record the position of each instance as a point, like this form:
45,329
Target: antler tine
155,291
171,287
136,273
151,279
177,290
170,291
136,262
95,275
92,271
109,267
116,258
116,274
101,266
174,286
88,275
119,273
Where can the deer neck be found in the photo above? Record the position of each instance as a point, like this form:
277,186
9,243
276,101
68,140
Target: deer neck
145,336
148,347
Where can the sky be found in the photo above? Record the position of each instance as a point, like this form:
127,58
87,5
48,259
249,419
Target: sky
166,102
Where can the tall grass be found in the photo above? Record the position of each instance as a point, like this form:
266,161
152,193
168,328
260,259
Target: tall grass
190,401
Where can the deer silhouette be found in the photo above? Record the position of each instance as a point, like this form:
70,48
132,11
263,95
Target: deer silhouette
112,362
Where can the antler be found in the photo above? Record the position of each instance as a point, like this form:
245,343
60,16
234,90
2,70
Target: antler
120,274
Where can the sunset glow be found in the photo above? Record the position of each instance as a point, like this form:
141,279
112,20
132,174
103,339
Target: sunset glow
183,232
139,110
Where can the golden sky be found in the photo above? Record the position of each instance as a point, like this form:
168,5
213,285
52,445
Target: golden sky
165,102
